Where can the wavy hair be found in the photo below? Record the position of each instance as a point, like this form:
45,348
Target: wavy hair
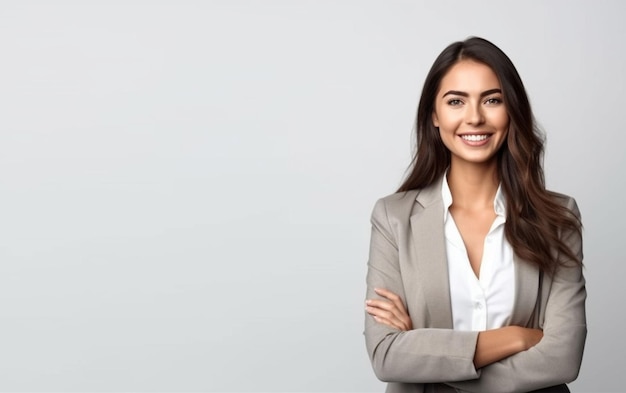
535,217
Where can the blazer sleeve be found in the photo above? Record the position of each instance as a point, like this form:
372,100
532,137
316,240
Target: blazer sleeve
557,357
420,355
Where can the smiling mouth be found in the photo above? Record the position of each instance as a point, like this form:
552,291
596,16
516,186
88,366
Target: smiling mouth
475,138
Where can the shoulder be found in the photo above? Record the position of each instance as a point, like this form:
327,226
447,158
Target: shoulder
397,210
566,201
562,199
570,231
399,199
395,206
402,204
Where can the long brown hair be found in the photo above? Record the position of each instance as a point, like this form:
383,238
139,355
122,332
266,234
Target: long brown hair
535,217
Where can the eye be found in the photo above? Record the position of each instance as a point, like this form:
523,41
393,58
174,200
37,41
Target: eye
493,101
454,102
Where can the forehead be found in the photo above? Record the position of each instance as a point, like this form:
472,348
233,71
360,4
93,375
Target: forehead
469,76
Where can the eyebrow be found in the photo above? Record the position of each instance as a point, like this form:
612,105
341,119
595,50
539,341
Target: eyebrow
464,94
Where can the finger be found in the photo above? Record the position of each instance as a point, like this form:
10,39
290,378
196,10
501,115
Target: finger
402,313
399,312
395,299
387,322
384,304
379,312
390,318
384,293
386,310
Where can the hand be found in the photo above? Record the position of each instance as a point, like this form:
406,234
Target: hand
496,344
530,337
390,312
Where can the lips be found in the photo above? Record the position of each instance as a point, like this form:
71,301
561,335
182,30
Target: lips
475,137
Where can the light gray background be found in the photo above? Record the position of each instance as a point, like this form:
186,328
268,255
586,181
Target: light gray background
186,186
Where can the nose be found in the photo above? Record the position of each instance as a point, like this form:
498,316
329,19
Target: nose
474,114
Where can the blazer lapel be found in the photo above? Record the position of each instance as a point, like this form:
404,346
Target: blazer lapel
427,230
526,290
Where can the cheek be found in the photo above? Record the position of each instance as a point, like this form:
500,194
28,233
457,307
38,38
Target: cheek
503,120
449,119
505,135
446,136
447,127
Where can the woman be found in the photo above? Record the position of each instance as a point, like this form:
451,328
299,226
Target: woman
475,271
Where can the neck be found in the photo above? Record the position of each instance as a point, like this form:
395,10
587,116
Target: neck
473,186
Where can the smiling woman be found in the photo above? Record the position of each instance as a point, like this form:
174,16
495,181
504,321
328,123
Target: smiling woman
474,277
470,112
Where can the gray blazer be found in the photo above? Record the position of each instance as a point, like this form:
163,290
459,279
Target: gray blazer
408,257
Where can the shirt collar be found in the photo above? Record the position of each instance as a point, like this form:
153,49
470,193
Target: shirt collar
499,202
446,196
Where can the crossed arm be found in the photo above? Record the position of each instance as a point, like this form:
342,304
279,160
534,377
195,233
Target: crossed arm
491,346
509,359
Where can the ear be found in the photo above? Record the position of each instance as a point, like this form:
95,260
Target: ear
435,119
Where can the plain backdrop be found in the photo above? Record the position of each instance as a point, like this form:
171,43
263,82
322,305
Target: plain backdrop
186,186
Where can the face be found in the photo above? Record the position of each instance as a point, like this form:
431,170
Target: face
470,113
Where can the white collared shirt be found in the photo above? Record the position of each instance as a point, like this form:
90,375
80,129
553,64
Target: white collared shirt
487,302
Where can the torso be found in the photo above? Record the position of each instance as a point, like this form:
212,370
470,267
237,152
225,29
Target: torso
473,227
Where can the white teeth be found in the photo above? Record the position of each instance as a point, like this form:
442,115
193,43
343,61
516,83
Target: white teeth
474,138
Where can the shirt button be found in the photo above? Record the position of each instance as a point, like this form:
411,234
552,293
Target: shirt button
478,305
